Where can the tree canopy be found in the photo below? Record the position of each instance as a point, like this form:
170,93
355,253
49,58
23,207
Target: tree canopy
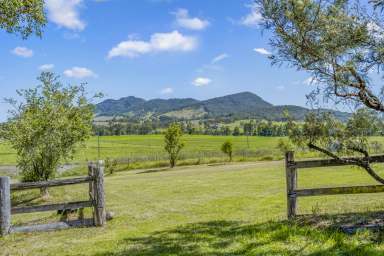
23,17
46,127
339,42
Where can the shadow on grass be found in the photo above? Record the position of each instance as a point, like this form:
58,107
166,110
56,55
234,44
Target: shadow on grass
155,170
238,238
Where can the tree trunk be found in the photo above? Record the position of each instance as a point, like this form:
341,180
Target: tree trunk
44,192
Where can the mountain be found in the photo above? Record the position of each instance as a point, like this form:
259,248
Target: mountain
235,106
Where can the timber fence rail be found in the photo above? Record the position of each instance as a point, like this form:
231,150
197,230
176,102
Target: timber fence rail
292,166
95,179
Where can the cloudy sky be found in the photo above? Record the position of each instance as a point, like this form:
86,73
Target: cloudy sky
151,49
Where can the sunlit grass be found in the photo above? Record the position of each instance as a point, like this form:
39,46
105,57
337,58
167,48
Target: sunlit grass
233,209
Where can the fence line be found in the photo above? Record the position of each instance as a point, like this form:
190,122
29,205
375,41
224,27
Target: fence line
95,179
292,166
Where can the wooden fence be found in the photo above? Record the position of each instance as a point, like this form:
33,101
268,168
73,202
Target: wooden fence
293,192
95,179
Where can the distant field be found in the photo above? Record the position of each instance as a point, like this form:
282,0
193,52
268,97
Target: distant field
236,209
149,148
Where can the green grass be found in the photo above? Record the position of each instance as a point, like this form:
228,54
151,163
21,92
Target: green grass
236,209
150,148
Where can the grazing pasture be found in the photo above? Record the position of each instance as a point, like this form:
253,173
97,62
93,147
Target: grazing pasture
232,209
150,148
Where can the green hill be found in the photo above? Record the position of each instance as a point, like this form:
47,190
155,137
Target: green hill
235,106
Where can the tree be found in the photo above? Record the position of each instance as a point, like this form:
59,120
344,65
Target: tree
340,43
236,131
23,17
47,126
227,148
173,142
324,133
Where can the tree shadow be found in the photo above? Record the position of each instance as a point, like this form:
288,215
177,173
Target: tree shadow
239,238
155,170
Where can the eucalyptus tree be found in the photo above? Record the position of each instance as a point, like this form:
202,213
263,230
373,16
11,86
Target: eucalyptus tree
341,44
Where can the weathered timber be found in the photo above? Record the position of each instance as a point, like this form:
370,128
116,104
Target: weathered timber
52,207
53,226
50,183
333,162
99,202
291,176
5,206
340,190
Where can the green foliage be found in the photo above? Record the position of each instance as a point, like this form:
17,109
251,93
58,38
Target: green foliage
173,142
339,42
110,165
285,146
47,126
227,148
24,17
324,133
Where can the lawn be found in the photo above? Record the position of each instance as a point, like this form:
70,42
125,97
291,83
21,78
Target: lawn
234,209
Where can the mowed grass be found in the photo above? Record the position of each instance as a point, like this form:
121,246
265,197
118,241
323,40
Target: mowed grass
234,209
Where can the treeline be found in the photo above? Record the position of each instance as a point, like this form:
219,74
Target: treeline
206,127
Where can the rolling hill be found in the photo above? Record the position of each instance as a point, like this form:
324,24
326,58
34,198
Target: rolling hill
235,106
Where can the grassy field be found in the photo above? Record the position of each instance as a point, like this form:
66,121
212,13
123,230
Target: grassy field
149,148
236,209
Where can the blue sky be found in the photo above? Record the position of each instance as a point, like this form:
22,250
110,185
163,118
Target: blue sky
151,49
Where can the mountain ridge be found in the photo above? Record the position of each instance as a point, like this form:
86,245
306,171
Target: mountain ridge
232,106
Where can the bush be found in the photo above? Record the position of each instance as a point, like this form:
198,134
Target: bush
227,148
110,165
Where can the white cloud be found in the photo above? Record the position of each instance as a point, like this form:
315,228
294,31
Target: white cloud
79,72
166,91
201,81
262,51
219,58
46,67
183,20
254,18
173,41
22,52
65,13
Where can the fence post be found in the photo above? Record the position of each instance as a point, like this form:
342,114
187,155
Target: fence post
98,186
291,175
91,167
5,206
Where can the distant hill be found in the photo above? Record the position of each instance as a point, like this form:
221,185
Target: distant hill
235,106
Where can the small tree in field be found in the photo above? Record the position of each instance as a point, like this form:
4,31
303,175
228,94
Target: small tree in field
227,148
47,126
173,142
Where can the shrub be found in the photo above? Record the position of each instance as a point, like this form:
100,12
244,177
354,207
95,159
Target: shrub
227,148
